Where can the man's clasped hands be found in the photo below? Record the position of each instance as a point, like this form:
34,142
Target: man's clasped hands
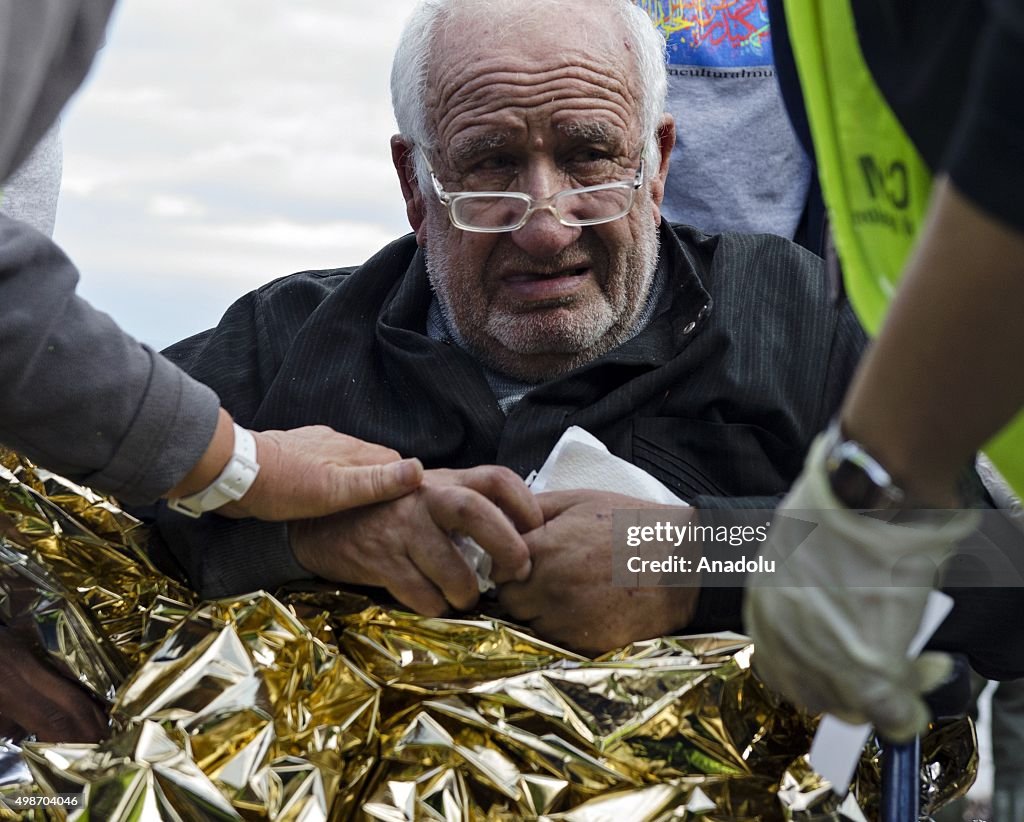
551,555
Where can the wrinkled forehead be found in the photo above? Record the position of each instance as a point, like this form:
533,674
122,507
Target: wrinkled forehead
516,73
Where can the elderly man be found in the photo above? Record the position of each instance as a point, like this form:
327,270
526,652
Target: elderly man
540,290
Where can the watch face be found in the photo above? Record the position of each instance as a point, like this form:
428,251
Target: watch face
851,486
858,480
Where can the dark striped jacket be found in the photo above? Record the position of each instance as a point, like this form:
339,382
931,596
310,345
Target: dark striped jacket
744,362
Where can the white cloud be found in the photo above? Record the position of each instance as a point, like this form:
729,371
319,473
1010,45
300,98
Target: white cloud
165,205
291,235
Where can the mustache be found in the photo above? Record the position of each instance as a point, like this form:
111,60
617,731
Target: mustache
581,254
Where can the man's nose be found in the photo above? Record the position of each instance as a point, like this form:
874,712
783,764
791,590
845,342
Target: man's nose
543,235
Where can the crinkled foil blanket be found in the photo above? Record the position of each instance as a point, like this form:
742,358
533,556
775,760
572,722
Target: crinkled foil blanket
325,706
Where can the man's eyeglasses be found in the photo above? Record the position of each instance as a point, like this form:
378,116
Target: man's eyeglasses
495,211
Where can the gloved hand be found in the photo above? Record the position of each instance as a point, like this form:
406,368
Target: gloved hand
833,623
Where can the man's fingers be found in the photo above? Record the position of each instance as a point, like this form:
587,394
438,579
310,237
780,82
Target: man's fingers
441,563
416,592
554,503
521,600
464,511
506,489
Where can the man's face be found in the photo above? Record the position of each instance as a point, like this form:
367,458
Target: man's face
539,114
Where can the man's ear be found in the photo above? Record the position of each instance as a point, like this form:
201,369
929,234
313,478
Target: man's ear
666,142
403,156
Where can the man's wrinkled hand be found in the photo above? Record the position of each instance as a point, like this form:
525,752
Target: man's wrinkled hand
314,471
405,545
569,598
833,624
36,699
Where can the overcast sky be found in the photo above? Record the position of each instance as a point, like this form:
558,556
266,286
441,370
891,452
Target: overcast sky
218,145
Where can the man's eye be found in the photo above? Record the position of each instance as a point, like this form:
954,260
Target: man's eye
590,156
497,163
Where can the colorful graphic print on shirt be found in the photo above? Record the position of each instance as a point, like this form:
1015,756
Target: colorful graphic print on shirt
721,33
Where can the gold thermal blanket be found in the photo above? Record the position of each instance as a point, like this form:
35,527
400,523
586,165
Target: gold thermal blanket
324,705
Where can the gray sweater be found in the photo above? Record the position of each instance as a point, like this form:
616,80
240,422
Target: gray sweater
30,194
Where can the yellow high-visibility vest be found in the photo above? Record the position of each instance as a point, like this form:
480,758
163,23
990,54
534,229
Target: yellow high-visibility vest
875,184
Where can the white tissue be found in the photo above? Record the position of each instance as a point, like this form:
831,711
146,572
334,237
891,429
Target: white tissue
477,559
579,460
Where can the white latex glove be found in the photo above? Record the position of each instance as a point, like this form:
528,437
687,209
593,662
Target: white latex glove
828,645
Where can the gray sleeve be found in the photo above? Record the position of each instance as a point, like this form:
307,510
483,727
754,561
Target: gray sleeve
77,394
46,49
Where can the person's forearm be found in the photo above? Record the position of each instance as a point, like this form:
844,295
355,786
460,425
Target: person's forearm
82,397
85,399
944,374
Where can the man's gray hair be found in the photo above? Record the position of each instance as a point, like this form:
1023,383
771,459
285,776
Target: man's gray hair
412,62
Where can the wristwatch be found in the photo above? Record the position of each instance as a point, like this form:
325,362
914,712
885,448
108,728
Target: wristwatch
232,484
857,479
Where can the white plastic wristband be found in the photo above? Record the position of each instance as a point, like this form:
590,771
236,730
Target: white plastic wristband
232,484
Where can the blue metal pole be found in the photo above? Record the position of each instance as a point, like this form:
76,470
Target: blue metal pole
901,766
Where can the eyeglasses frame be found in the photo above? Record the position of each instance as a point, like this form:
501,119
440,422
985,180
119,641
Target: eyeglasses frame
448,200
